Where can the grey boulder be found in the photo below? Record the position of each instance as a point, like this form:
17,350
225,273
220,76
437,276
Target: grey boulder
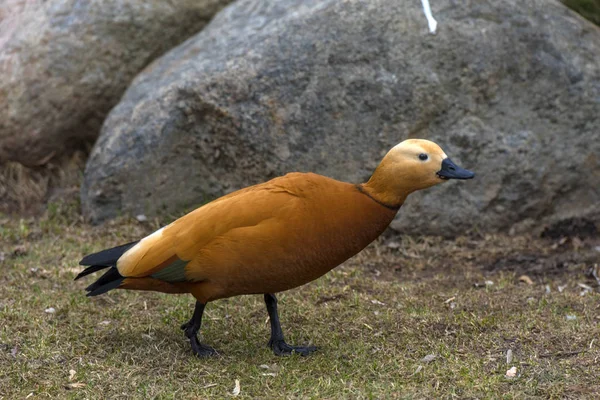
510,89
65,63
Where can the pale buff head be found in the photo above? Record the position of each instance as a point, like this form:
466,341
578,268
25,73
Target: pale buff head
412,165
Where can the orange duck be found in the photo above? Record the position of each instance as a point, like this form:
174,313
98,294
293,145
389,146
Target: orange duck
270,237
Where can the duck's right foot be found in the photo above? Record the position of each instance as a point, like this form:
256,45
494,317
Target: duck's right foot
281,348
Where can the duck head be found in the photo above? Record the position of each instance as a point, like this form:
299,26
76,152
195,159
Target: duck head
412,165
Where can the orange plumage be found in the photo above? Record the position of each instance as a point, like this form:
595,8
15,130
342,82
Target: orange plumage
270,237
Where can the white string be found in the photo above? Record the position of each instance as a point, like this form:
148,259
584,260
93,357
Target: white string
430,20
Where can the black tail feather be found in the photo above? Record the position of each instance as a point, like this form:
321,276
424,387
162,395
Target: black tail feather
107,257
91,270
110,280
104,259
105,288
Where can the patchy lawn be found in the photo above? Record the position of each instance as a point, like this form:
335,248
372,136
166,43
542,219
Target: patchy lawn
410,317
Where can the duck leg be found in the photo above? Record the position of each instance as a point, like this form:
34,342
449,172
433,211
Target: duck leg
191,329
277,342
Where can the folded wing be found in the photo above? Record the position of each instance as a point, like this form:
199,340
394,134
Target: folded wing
165,254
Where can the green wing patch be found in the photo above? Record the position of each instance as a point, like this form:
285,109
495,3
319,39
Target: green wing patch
173,272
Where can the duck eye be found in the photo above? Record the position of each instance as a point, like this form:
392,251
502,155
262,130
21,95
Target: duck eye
423,157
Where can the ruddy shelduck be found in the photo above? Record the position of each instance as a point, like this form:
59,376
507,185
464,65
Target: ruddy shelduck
270,237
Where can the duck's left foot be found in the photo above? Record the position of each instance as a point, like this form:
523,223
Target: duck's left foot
277,342
202,350
281,348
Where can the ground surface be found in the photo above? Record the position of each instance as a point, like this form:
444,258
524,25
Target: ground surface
407,318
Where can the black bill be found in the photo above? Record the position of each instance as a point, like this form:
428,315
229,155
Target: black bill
452,171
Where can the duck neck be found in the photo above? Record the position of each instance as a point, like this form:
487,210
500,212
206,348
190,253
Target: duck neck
390,195
364,189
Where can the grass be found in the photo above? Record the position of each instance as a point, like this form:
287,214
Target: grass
589,9
374,319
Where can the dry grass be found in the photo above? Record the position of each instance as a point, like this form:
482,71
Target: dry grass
375,319
25,191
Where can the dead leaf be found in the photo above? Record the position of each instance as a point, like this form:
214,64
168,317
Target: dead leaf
526,279
419,368
561,288
450,299
511,373
208,386
428,358
75,385
585,287
509,356
236,390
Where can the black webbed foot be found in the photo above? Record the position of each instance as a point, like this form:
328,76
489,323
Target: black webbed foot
277,341
187,325
281,348
201,350
191,328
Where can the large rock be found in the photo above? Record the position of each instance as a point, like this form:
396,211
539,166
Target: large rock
510,89
65,63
